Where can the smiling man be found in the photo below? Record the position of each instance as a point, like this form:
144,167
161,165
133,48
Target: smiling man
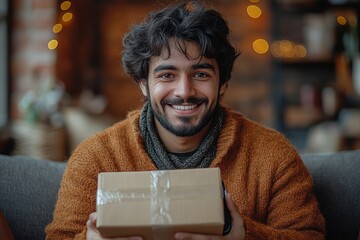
183,91
182,60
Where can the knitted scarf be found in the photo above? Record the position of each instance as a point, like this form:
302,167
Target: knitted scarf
201,158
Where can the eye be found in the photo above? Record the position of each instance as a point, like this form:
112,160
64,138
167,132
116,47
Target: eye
166,76
201,75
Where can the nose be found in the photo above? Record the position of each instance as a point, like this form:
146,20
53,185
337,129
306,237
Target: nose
184,87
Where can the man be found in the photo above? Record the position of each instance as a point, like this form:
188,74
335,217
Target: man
182,60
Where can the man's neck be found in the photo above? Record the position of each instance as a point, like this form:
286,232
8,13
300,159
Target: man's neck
176,144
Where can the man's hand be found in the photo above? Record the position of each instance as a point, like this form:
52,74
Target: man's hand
93,233
237,229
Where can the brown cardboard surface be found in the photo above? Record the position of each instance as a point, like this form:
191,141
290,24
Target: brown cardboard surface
158,204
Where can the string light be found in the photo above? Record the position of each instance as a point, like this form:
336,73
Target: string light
341,20
260,46
65,5
67,17
253,11
53,44
57,28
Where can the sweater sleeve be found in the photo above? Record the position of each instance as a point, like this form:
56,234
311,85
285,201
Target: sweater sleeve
293,210
77,195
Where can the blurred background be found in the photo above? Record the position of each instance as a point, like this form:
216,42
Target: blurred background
61,78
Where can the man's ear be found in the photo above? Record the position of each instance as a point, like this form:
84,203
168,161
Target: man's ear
223,89
143,87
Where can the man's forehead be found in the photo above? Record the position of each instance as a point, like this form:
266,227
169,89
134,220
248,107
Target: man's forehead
181,53
180,59
188,49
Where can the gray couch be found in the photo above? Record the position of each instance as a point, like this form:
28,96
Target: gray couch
28,191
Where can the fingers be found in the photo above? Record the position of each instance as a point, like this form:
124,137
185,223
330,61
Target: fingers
93,233
93,217
231,206
91,222
238,228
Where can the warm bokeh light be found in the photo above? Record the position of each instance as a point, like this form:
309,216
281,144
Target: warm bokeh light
254,11
65,5
300,51
254,1
53,44
67,17
57,28
275,49
352,21
260,46
288,49
341,20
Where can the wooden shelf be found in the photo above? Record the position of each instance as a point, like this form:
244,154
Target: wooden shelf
298,117
311,6
306,62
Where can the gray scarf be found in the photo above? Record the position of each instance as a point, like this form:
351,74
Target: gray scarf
201,158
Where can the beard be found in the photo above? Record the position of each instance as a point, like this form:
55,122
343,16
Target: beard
186,128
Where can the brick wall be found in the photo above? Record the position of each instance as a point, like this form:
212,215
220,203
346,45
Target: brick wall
249,90
88,55
32,24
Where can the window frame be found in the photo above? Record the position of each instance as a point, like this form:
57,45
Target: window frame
5,66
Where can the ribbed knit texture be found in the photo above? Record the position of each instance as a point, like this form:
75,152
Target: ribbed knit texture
201,158
260,168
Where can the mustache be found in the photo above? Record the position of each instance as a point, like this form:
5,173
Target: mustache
178,101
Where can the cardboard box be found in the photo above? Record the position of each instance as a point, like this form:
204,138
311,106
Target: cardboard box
157,204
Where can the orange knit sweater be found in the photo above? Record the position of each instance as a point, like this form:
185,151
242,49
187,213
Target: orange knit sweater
259,167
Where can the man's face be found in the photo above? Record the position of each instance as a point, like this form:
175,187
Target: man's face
183,91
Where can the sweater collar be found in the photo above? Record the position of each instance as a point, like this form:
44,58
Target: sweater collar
228,141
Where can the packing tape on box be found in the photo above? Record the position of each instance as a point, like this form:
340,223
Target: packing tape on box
159,194
160,181
160,204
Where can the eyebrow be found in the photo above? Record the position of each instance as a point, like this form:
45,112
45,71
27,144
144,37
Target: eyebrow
203,65
195,67
164,67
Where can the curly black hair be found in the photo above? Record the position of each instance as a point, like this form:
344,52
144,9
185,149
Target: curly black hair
187,21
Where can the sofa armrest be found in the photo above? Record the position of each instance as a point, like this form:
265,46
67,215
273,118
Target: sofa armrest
336,179
28,192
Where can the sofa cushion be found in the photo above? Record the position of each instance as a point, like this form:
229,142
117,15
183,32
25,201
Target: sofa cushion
337,187
28,192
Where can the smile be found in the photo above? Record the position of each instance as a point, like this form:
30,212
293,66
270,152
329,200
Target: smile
184,108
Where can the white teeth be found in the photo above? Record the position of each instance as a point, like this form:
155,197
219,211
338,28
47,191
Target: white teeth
184,108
